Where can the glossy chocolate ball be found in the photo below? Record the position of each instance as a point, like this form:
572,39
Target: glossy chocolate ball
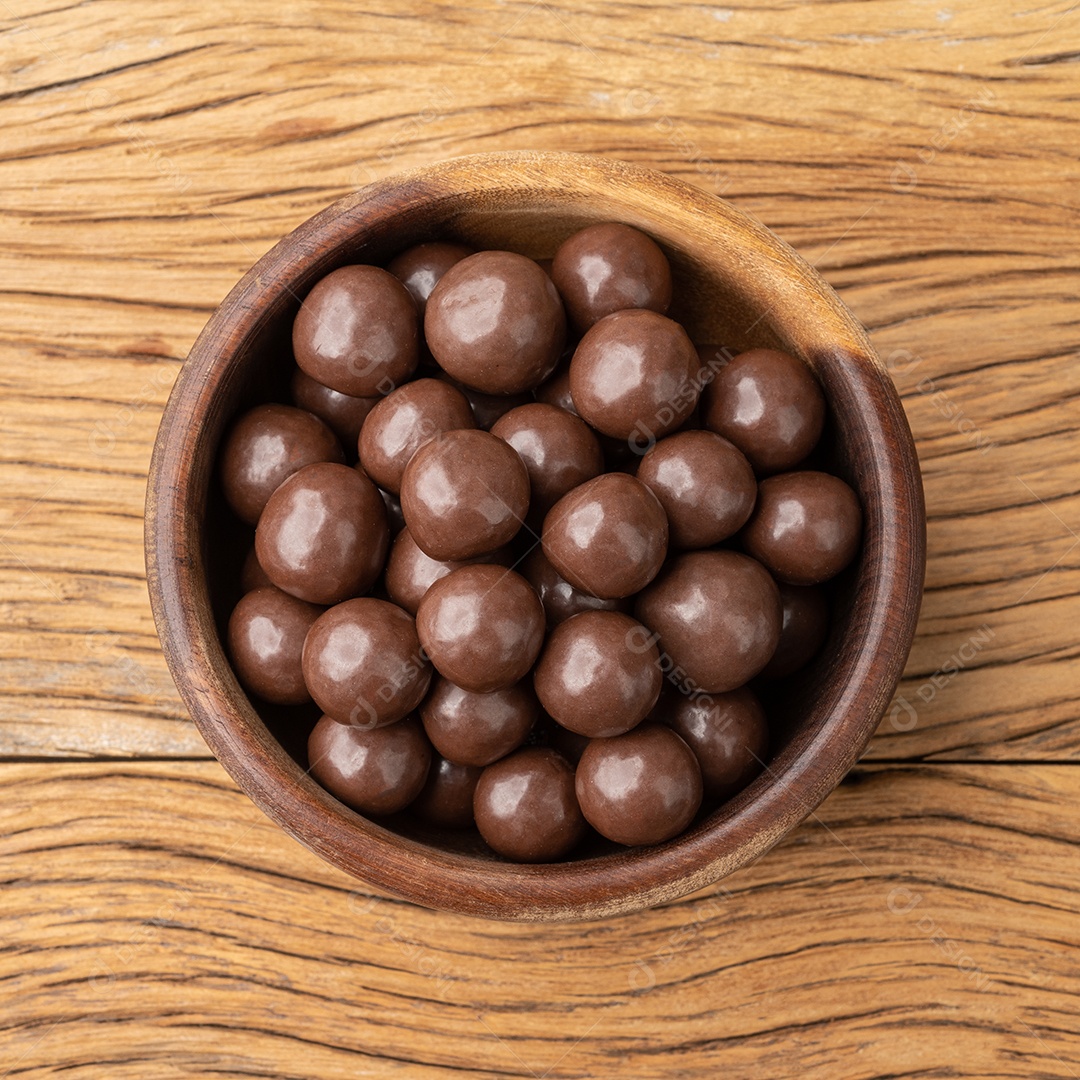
806,528
447,798
606,268
558,449
373,770
634,376
265,447
599,673
363,664
342,414
420,268
358,332
768,404
559,597
728,735
323,535
495,322
266,639
607,537
643,787
556,391
464,494
803,629
477,729
482,627
718,616
705,485
526,809
252,575
405,420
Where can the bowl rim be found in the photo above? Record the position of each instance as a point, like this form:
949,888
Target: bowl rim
887,603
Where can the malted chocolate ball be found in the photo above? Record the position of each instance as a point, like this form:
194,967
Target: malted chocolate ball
410,573
464,494
420,268
344,415
556,391
610,267
728,734
358,332
323,535
266,446
373,770
477,729
495,322
363,664
807,526
599,673
405,420
718,616
526,809
559,597
482,627
447,797
643,787
608,537
768,404
558,449
634,376
266,640
705,485
804,626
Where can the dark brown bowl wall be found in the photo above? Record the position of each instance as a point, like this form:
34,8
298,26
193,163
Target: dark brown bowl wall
736,284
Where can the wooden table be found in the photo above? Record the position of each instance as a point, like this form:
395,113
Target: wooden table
923,923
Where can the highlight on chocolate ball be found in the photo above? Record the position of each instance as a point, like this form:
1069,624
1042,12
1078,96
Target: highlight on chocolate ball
528,565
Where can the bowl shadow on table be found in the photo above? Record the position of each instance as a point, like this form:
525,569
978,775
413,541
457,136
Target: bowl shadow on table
706,309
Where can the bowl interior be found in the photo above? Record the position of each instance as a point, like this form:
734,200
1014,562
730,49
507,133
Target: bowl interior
736,284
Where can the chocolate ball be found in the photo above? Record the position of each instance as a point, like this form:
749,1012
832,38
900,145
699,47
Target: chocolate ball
342,414
252,575
768,404
643,787
559,598
265,447
634,376
727,733
556,391
718,616
405,420
482,627
358,332
606,268
607,537
806,528
464,494
477,729
373,770
495,322
266,639
525,806
558,449
323,535
363,664
599,673
804,625
420,268
704,484
447,798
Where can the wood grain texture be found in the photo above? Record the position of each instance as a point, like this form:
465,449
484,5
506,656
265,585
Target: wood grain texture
921,925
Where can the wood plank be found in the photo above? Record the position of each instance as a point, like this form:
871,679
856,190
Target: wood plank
921,924
923,155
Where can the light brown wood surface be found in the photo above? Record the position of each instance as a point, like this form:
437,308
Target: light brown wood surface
924,157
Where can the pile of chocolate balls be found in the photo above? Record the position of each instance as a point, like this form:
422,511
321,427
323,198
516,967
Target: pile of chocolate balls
526,582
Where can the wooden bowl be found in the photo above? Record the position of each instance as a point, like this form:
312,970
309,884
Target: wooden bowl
737,284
